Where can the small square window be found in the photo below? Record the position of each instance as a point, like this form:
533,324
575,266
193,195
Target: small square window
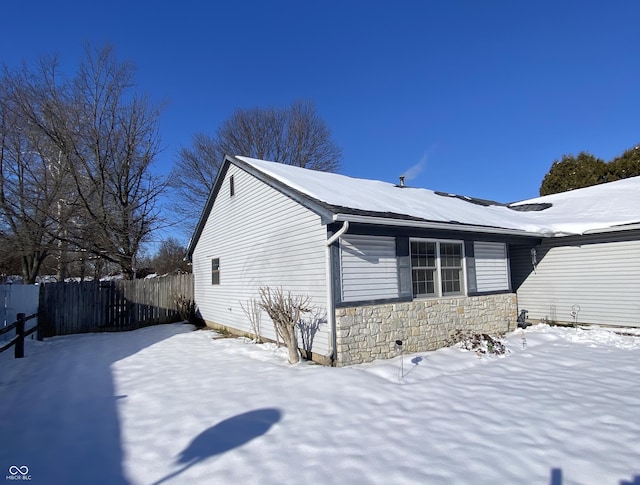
215,271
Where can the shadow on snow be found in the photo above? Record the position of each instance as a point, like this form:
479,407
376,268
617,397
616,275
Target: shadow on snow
224,436
58,407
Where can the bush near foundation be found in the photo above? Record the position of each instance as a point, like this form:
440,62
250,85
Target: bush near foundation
480,343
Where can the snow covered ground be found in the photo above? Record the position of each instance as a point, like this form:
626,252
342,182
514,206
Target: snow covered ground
170,405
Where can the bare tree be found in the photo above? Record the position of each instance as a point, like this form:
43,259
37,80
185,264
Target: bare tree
286,312
112,156
294,135
170,257
106,138
33,182
194,175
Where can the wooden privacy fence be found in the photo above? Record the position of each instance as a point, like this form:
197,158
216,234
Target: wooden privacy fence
99,306
18,340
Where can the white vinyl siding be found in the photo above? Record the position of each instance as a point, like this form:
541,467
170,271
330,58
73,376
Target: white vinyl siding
601,277
492,269
369,268
261,237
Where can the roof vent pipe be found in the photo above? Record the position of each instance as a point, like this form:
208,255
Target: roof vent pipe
401,180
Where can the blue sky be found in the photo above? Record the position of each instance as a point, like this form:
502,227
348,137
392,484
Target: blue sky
481,95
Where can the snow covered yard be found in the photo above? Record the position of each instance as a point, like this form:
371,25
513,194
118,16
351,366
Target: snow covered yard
169,405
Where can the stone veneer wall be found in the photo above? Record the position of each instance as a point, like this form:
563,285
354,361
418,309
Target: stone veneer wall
366,333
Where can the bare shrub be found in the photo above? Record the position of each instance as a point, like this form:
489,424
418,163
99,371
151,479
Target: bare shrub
480,343
252,311
285,310
309,327
186,308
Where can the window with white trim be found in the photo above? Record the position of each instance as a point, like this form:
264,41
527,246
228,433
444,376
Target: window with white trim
423,267
437,268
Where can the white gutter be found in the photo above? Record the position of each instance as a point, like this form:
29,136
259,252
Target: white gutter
331,308
622,227
432,225
341,231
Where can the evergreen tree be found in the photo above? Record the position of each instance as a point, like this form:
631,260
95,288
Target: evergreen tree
624,166
574,172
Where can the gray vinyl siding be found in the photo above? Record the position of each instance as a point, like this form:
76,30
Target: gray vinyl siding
600,274
16,299
368,267
262,238
372,267
491,267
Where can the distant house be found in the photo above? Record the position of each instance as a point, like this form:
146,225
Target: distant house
381,262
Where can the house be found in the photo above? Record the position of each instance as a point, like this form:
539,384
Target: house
587,267
381,262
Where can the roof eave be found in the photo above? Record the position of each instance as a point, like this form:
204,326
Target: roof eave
314,205
623,227
424,224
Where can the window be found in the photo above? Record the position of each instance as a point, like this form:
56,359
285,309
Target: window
451,268
436,268
232,187
423,267
215,271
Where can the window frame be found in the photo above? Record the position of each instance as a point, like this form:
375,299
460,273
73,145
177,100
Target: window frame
426,268
215,271
439,269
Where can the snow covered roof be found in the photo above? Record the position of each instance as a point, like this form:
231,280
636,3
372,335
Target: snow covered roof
592,209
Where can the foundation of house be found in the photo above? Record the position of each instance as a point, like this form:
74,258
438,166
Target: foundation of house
367,333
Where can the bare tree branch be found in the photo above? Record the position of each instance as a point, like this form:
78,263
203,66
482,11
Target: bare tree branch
95,141
293,135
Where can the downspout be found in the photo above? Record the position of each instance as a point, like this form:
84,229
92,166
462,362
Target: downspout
331,308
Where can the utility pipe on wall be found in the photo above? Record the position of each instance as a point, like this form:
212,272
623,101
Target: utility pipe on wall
331,309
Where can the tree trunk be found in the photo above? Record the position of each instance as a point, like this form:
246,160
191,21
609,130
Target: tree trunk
285,313
62,270
292,346
31,267
128,271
